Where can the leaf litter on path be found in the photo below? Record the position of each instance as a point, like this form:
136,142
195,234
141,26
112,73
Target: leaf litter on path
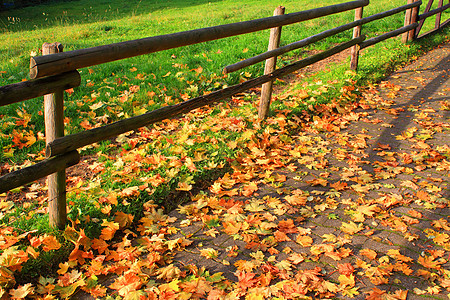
351,202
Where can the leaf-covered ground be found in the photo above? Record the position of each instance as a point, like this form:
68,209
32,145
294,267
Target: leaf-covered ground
351,201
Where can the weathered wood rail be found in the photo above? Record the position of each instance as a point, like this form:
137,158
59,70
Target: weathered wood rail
426,14
53,73
77,59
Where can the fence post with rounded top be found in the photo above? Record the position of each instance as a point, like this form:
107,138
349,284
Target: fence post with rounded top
54,128
266,92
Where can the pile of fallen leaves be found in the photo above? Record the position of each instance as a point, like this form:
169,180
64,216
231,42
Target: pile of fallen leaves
252,233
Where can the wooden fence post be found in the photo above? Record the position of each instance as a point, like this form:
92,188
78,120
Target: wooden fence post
356,33
414,16
266,92
408,13
54,128
437,24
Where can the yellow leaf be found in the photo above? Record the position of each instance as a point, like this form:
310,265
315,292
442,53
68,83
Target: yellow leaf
255,296
209,253
331,287
347,280
183,186
395,253
22,291
63,267
255,206
350,292
296,258
351,228
304,240
330,238
368,210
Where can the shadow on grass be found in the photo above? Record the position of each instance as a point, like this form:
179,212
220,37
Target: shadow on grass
57,13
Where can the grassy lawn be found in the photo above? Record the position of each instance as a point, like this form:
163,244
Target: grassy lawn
173,160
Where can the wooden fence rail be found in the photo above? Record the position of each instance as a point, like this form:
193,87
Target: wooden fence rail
315,38
39,170
428,13
77,59
84,138
387,35
53,73
433,12
25,90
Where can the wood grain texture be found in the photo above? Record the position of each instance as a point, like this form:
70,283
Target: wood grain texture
30,89
266,91
41,169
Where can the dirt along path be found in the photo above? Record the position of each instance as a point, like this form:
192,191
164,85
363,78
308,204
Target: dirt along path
361,211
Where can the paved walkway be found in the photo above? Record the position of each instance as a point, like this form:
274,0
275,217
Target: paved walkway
368,207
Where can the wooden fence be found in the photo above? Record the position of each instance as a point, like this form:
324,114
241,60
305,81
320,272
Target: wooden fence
56,71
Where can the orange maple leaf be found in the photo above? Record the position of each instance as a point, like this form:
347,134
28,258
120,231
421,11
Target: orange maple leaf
395,253
50,243
246,280
100,245
287,226
430,263
249,189
304,240
339,186
97,291
375,294
351,227
209,253
245,265
281,236
231,227
369,253
441,224
296,258
318,181
8,241
69,91
345,269
402,267
422,195
126,283
296,199
109,230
